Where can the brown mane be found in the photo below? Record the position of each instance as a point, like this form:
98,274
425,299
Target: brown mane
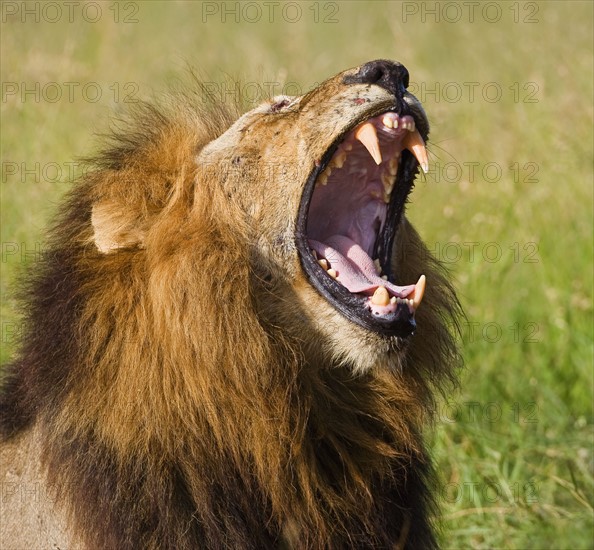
177,411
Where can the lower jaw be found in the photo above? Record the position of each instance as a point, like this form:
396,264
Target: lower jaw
397,323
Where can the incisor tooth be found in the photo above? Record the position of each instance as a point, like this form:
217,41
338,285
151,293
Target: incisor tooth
418,292
380,297
393,300
388,121
409,124
367,135
415,144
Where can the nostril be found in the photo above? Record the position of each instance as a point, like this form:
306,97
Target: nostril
372,73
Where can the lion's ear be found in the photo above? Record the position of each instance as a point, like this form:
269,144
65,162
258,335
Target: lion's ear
114,227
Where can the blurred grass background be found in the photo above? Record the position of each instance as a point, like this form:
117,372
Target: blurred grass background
507,203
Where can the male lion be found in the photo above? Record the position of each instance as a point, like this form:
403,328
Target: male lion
218,351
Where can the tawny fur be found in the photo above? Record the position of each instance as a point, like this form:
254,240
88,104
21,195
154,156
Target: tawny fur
180,382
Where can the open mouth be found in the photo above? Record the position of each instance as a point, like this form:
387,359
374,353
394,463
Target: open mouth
349,216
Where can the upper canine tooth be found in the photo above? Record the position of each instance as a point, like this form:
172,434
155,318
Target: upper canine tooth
367,135
380,297
419,291
415,144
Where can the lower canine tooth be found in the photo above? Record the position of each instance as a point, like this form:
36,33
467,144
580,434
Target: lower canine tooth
380,297
419,291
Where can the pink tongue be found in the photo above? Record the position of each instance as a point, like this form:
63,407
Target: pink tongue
355,268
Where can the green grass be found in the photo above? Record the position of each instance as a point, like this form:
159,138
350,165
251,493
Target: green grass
514,445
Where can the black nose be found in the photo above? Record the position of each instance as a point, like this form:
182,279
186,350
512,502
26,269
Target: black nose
390,75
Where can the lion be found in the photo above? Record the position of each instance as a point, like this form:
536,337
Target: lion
236,338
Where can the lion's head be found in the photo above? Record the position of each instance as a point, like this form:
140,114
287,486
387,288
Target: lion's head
338,164
229,333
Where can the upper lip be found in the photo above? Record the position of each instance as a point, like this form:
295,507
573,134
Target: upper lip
389,146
